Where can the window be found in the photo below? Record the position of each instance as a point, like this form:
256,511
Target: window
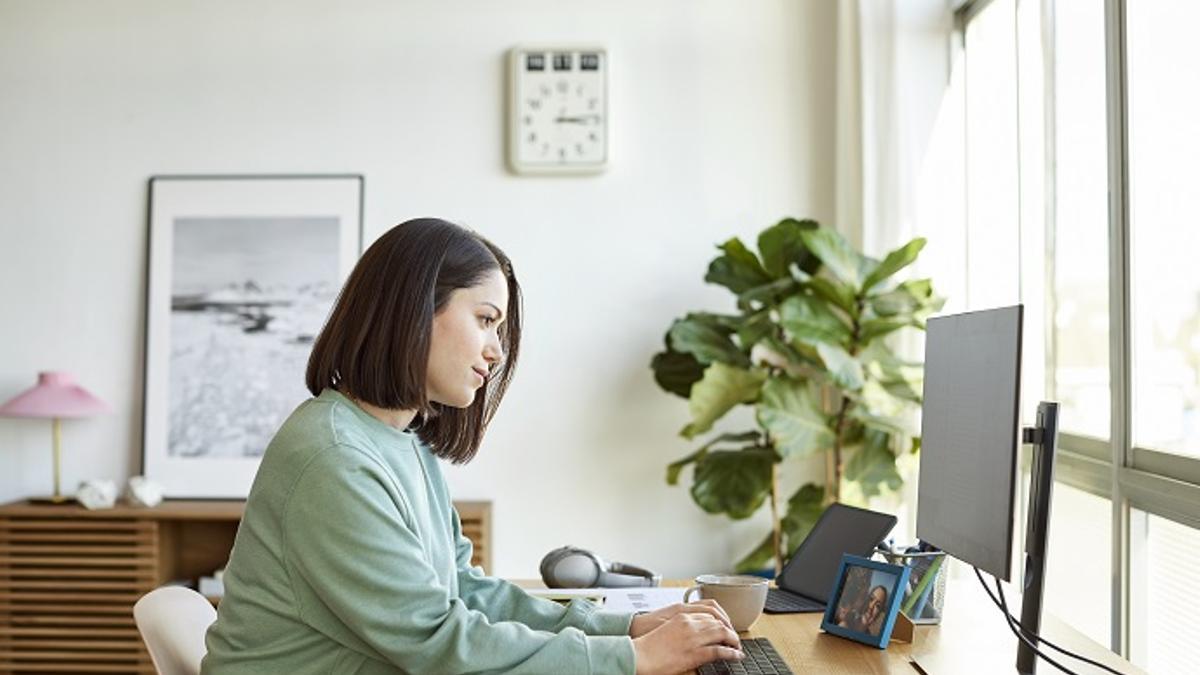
1078,129
1164,627
1164,140
1080,241
1080,526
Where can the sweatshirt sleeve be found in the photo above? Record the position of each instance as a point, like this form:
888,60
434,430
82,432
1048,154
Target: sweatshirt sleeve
348,542
503,601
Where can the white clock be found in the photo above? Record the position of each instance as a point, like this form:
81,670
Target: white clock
558,109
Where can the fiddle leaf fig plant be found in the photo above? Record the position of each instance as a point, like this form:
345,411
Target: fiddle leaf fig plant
808,349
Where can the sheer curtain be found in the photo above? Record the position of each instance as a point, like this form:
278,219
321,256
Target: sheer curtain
899,154
894,74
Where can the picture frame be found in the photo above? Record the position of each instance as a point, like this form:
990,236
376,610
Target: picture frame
857,610
241,273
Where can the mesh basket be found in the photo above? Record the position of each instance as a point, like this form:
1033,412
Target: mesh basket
925,597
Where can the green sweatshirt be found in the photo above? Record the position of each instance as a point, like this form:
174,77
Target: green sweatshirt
351,559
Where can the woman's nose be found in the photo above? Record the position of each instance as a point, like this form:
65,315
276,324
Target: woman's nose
493,353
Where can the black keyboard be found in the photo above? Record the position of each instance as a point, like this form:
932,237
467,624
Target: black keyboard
782,602
761,659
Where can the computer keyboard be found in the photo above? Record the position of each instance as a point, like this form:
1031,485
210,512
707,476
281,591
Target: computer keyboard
782,602
761,659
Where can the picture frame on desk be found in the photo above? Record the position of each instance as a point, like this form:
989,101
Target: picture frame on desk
242,271
865,600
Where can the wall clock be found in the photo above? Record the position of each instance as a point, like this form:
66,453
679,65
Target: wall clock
558,109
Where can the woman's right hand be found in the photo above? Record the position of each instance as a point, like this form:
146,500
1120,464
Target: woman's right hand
683,643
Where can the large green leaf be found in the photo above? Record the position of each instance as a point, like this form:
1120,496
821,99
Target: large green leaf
899,425
733,482
872,329
880,402
674,468
781,245
754,329
906,299
792,418
769,294
722,387
835,292
894,262
762,557
707,338
843,369
903,379
809,320
873,465
676,372
738,269
804,508
839,256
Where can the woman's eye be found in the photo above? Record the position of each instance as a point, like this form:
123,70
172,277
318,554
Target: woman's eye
487,321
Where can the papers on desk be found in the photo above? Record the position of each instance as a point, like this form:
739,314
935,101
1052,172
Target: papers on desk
641,599
616,599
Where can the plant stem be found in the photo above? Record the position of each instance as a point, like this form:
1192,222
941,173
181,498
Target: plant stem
837,449
775,518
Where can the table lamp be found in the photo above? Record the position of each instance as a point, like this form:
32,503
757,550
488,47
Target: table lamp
55,396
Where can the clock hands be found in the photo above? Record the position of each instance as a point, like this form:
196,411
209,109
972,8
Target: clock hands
577,119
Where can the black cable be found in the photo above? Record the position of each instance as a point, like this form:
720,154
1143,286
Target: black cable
1067,652
1002,604
1012,626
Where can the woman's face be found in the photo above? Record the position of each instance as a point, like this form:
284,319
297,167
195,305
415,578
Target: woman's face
465,343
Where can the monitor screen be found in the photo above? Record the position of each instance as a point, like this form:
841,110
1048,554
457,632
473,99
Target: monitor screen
969,433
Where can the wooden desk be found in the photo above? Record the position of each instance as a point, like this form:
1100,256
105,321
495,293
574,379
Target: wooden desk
973,638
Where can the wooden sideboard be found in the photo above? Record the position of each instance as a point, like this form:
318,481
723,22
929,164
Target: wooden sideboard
69,576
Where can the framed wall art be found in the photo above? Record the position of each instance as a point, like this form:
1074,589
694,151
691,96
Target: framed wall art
242,272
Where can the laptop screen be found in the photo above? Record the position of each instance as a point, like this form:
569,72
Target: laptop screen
841,529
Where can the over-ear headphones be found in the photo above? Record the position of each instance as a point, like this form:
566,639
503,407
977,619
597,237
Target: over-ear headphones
570,567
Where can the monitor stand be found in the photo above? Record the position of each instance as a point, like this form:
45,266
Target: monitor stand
1044,439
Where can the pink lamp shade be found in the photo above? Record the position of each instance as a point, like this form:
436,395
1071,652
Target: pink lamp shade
55,395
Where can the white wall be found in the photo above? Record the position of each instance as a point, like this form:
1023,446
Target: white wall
722,122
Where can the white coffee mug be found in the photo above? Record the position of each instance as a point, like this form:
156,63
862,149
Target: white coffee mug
742,597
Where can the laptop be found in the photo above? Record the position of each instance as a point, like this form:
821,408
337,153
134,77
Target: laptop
807,578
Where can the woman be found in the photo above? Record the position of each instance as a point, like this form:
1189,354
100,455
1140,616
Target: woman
350,557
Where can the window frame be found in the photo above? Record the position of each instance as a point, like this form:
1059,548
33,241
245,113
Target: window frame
1131,477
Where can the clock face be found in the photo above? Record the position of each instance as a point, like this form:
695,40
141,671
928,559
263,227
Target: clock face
558,110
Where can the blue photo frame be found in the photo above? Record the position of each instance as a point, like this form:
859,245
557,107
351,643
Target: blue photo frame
857,610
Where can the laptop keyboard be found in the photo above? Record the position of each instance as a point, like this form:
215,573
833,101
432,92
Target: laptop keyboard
761,659
782,602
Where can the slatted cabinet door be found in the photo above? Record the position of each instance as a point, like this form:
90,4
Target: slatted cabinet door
66,589
476,520
69,576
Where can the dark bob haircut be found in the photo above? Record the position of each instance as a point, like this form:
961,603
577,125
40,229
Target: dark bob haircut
375,345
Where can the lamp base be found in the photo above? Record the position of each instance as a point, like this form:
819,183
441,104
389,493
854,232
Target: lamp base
63,500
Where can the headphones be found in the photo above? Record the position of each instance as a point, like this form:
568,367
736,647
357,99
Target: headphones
570,567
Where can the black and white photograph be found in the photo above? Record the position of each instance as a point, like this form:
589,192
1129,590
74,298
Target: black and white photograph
243,273
247,300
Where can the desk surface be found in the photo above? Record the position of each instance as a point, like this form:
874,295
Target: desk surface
973,638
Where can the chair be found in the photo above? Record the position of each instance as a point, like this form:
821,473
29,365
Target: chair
172,621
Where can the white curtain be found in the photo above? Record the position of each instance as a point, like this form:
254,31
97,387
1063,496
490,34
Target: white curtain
897,148
894,65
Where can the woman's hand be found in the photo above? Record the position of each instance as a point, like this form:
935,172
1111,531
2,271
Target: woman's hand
685,642
644,623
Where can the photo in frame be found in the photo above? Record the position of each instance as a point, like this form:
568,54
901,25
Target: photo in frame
242,272
865,600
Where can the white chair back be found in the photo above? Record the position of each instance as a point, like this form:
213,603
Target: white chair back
172,621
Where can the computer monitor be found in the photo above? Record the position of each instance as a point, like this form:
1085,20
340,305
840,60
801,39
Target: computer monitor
969,433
